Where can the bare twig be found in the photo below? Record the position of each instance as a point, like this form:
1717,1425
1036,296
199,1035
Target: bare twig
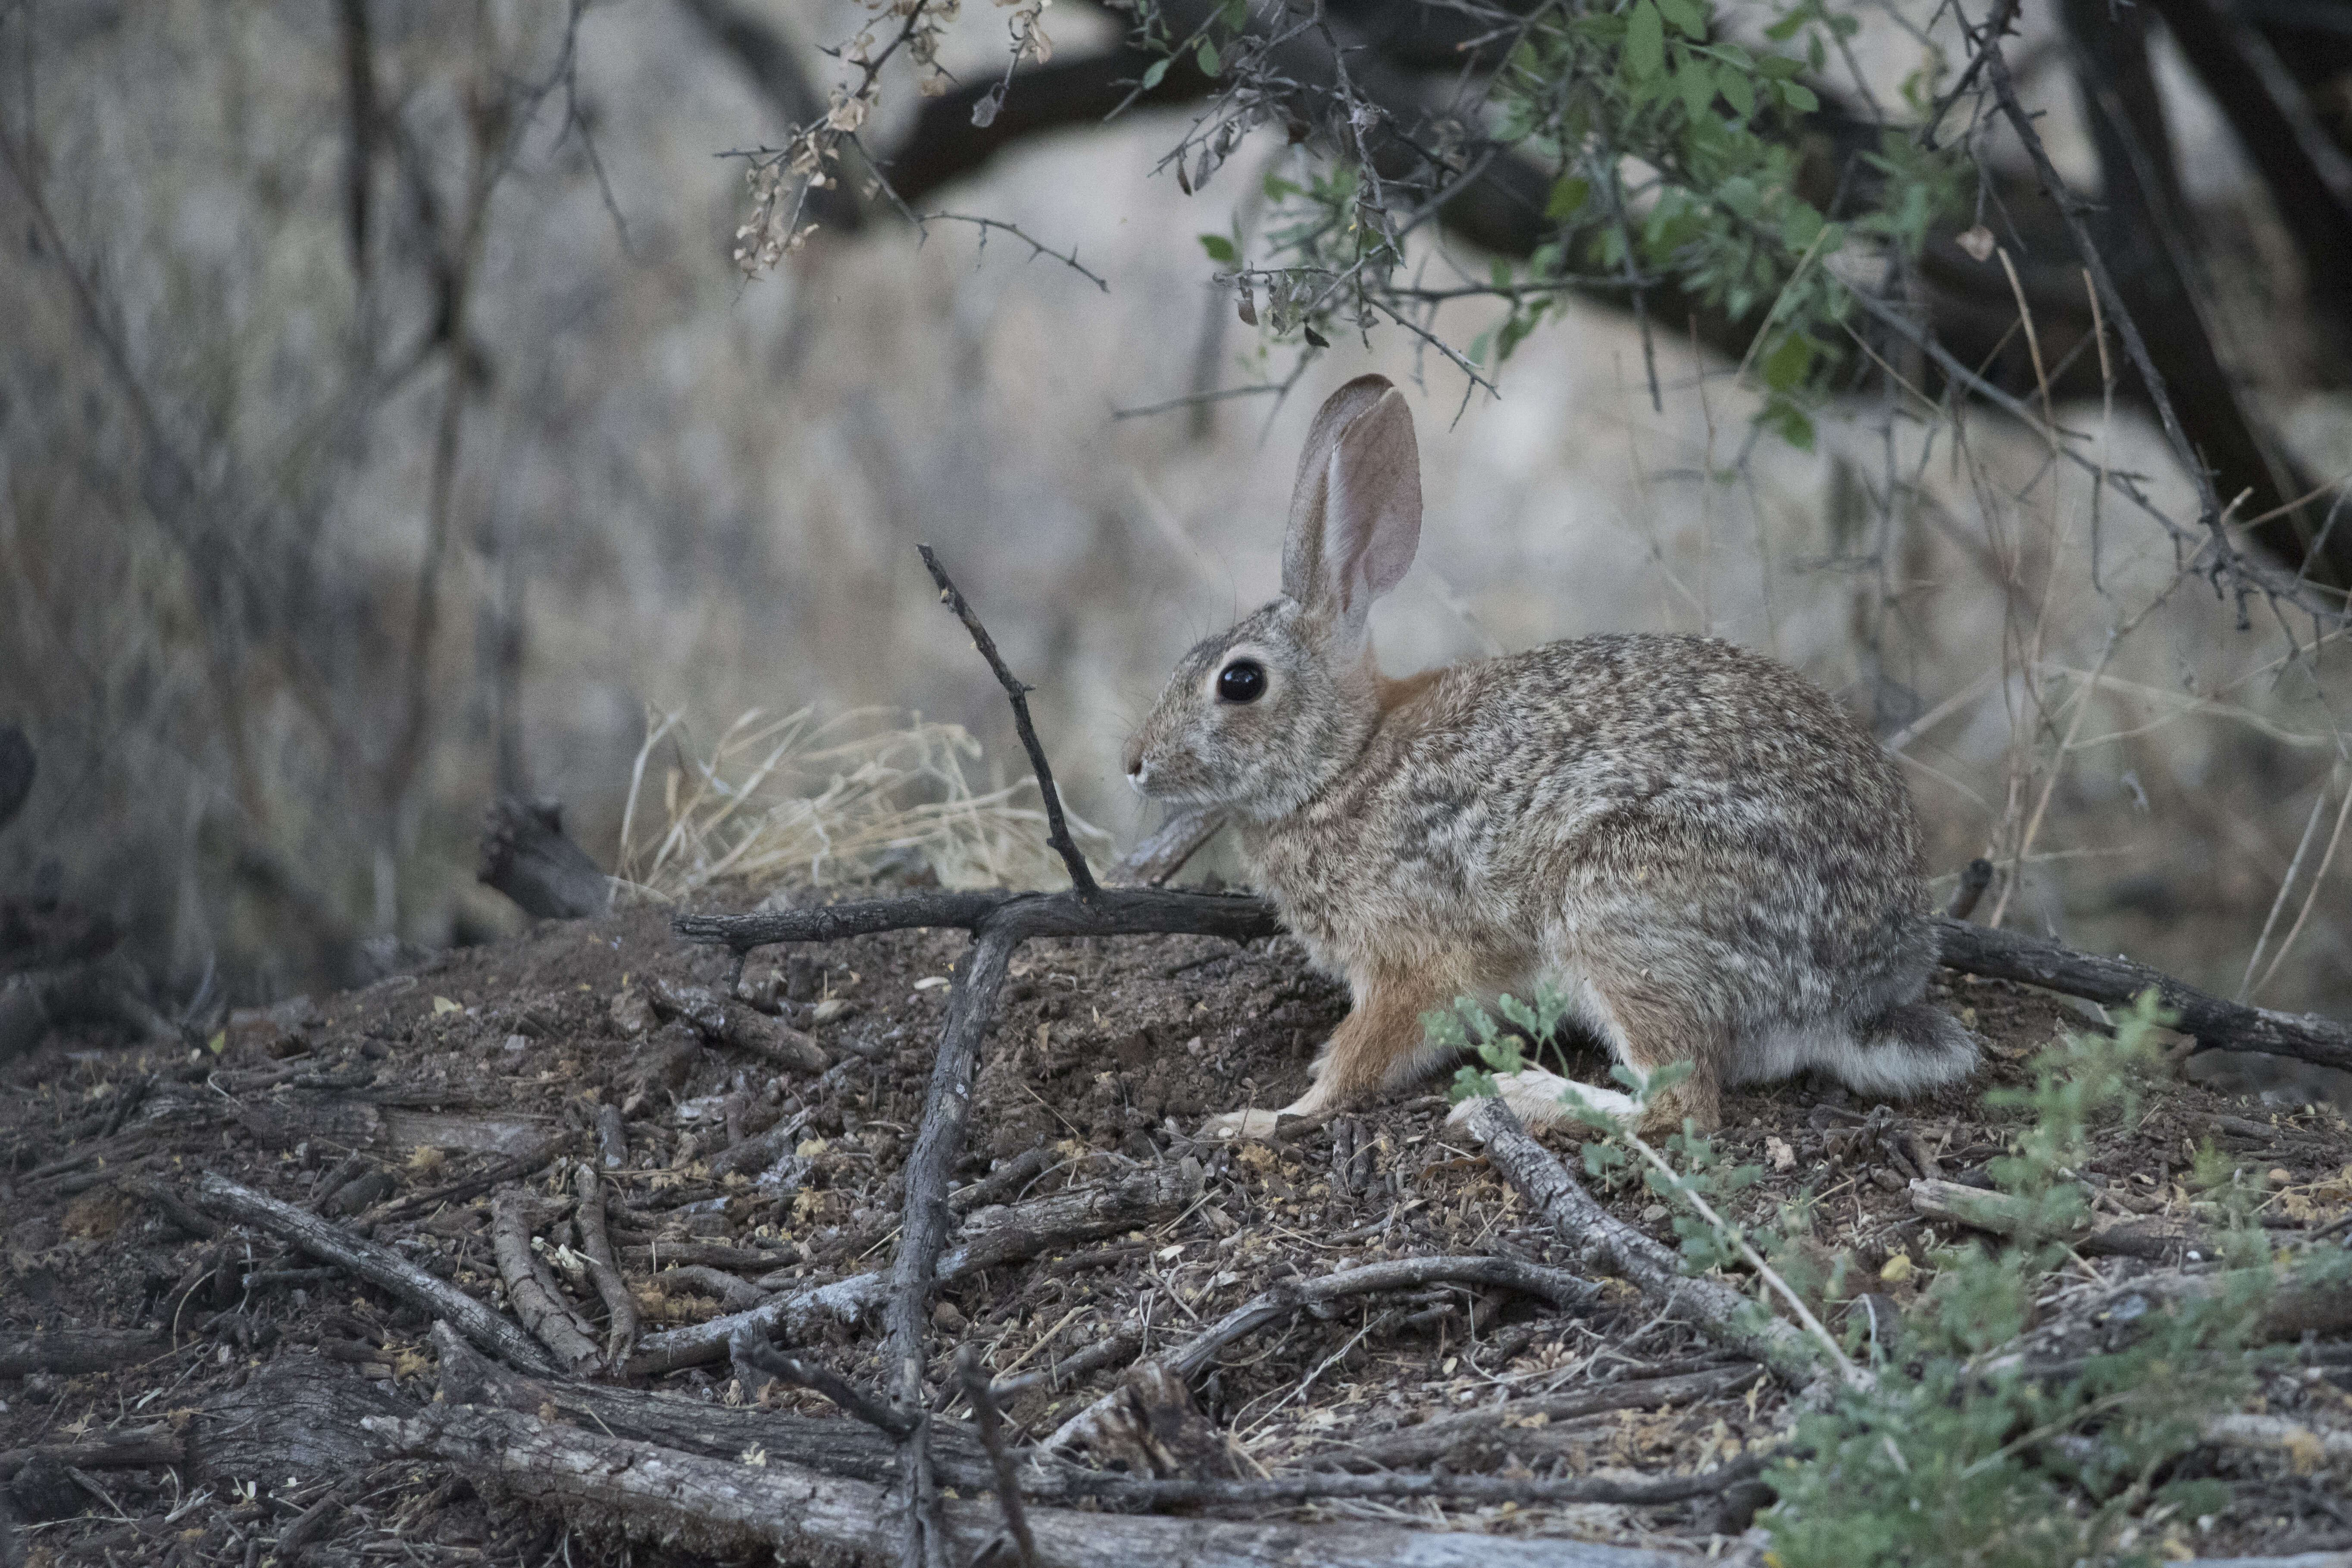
1058,833
1036,248
977,1389
2209,500
750,1351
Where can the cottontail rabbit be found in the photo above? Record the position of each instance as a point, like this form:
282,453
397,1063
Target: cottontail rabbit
1693,843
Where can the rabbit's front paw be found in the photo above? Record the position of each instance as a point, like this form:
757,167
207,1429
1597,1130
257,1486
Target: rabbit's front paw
1242,1126
1535,1096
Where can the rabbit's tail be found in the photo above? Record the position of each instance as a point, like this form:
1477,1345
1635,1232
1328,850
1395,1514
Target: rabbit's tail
1908,1048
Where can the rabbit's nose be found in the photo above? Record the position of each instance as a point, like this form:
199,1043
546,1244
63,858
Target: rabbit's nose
1135,771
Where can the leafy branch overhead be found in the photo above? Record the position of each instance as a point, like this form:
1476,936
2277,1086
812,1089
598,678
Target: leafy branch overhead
1726,172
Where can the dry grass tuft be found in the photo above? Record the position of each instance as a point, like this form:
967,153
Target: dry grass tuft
839,799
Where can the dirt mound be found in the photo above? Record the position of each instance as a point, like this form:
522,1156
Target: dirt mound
395,1112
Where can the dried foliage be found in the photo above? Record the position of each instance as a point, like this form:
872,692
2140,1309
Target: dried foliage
804,799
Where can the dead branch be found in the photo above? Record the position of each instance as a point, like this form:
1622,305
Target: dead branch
1604,1244
379,1266
723,1021
597,1246
750,1354
990,1240
735,1293
95,1349
2118,981
528,1164
990,1421
531,1285
1057,830
2070,208
727,1506
1162,854
1094,1424
1112,911
2109,1235
978,978
526,855
1440,1437
135,1450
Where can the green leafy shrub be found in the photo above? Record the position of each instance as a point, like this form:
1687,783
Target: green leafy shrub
1957,1448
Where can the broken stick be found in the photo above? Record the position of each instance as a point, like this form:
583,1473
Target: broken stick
379,1266
1018,1232
1604,1244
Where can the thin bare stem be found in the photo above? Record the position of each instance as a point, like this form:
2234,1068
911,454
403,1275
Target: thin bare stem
1058,830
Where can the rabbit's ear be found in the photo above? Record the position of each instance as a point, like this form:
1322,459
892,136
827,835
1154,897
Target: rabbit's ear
1355,517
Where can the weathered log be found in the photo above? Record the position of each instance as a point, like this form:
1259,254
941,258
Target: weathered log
379,1266
526,857
299,1416
723,1506
2118,981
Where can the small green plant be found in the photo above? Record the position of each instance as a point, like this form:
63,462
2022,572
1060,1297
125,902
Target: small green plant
1954,1448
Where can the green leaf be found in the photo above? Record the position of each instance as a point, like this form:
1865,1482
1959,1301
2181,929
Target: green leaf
1737,90
1787,362
1220,250
1210,64
1645,41
1500,273
1277,188
1800,226
1798,97
1778,65
1477,352
1695,83
1568,194
1689,20
1236,14
1781,31
1155,73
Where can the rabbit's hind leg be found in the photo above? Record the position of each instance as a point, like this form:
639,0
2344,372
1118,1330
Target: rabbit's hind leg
1647,1032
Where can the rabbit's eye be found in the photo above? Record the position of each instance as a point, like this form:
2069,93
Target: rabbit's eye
1244,680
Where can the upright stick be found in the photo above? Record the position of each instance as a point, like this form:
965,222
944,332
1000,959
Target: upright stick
1057,830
